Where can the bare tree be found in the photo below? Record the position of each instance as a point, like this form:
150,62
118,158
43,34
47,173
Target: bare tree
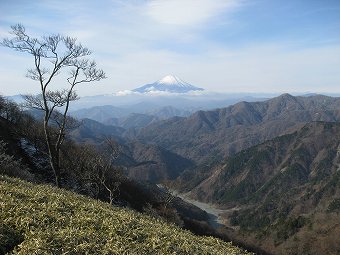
53,54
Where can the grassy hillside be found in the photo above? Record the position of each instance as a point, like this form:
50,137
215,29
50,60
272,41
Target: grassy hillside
40,219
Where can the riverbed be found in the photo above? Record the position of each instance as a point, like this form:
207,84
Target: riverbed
215,214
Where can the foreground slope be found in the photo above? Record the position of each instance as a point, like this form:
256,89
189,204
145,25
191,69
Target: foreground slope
40,219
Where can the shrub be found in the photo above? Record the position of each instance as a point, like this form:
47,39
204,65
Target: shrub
12,167
9,238
334,206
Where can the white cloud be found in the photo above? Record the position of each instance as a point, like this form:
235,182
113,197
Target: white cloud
157,93
187,12
125,93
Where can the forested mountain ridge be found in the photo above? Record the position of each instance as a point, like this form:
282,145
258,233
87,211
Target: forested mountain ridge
283,193
222,132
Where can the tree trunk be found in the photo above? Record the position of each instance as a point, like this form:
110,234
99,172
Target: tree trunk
56,171
53,155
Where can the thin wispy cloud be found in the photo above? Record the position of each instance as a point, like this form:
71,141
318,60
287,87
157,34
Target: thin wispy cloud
260,68
187,12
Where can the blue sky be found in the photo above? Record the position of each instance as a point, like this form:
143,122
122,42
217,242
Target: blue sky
221,45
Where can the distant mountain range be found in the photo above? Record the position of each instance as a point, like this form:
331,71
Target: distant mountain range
134,116
147,103
169,83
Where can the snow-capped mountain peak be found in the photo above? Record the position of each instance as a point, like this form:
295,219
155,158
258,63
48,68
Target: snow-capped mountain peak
170,80
169,83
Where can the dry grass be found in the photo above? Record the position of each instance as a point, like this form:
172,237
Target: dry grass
55,221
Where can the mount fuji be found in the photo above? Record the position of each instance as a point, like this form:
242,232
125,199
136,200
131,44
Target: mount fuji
169,83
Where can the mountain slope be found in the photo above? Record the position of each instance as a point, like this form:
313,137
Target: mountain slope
39,219
94,132
153,163
169,83
285,193
222,132
136,120
167,112
143,162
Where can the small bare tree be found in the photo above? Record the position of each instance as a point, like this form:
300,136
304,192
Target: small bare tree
53,54
95,169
